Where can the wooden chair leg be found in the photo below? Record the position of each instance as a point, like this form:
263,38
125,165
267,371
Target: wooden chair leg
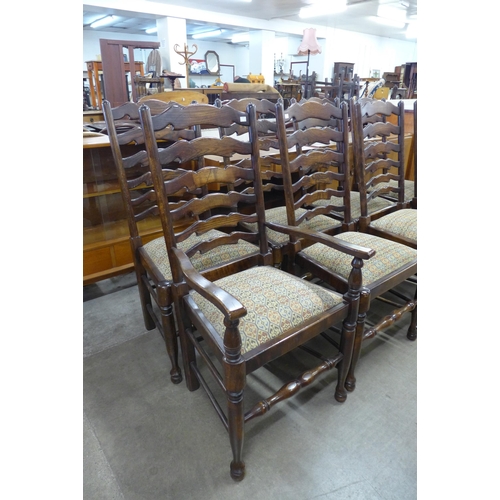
412,329
236,421
145,298
364,305
170,337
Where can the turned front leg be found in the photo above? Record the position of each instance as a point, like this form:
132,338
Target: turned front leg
234,381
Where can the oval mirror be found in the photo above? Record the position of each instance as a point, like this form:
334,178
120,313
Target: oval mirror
212,61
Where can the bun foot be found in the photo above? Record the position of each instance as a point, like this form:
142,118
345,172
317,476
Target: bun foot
350,385
412,335
238,471
176,376
340,396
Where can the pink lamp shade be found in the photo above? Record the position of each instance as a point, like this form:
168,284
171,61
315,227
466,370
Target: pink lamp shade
309,43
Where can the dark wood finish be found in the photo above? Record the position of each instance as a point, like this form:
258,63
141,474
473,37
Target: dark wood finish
113,68
93,68
323,174
141,208
379,162
414,200
223,352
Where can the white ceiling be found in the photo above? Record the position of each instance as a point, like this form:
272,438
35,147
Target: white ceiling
360,16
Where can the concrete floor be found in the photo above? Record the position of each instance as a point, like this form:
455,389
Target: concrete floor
147,439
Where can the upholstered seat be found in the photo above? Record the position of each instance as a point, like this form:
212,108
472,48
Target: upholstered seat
374,205
157,251
278,215
390,257
401,223
276,303
409,189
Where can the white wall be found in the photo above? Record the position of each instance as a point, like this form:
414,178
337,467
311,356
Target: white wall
367,52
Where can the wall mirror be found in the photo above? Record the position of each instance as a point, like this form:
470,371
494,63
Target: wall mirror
212,61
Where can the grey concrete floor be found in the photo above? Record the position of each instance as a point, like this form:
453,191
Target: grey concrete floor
146,438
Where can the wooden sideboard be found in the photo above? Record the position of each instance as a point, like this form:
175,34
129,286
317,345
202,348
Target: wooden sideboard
106,247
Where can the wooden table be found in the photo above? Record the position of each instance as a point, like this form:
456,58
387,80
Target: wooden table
93,68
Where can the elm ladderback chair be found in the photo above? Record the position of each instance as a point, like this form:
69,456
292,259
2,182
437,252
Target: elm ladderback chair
378,150
323,136
248,312
149,253
139,201
305,123
395,117
393,263
265,109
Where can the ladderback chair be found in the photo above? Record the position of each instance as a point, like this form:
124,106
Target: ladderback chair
247,313
324,137
394,117
393,263
265,109
305,123
149,253
378,150
139,202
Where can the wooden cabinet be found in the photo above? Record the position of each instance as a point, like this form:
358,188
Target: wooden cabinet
106,247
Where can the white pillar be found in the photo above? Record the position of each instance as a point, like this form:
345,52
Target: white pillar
262,55
171,32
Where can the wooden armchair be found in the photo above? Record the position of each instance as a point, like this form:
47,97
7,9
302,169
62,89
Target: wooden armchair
378,149
245,313
393,263
154,276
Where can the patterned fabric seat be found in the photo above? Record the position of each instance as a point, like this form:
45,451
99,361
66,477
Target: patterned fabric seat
390,257
401,223
373,205
157,250
276,303
409,188
278,215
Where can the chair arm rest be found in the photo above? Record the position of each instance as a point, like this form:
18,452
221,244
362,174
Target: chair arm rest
226,303
330,241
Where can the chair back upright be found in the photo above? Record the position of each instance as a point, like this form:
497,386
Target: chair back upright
132,163
315,162
189,198
378,151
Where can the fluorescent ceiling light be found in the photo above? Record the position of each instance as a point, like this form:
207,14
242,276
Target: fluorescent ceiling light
240,38
323,8
208,33
151,30
103,21
388,22
394,14
411,31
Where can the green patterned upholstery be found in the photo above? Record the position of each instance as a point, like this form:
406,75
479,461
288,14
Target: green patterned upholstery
402,222
157,250
276,303
409,189
320,223
389,257
373,205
